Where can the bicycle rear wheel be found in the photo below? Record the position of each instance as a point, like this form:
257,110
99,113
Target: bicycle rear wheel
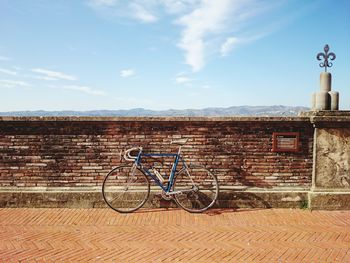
125,189
198,187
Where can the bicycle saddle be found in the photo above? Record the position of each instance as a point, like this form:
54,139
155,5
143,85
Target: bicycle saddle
179,141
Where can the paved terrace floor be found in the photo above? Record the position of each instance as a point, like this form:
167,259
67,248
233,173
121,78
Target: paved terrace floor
101,235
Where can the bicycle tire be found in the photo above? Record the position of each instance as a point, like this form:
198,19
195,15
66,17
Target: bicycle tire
125,189
202,195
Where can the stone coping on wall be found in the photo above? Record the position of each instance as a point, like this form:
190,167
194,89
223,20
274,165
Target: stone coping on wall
306,116
325,113
156,119
327,116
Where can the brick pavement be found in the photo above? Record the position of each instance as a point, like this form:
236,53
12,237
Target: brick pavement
102,235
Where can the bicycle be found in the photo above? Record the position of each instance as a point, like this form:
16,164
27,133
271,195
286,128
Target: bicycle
126,188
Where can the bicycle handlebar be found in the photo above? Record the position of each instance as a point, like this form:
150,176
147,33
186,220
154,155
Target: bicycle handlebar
128,156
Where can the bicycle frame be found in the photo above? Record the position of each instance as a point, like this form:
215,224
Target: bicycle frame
120,185
178,158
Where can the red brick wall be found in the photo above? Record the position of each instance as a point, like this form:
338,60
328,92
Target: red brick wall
75,153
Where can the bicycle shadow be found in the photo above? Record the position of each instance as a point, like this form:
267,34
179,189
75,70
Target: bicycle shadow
209,212
156,210
220,211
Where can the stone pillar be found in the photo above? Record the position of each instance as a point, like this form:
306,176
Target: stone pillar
326,81
322,100
331,161
325,99
334,100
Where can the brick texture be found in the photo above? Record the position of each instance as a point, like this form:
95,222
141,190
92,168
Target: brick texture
80,153
101,235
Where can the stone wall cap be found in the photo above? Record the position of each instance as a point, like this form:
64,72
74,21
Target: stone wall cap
325,113
327,117
156,119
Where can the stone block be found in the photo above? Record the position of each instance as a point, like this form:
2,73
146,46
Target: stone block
288,198
329,200
334,97
322,100
332,166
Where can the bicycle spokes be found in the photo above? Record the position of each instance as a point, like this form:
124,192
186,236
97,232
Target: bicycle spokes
197,189
125,189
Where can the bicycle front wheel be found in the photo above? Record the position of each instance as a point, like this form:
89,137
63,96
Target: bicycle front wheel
125,189
198,189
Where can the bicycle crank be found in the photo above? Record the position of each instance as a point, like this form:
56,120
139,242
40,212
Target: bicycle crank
166,196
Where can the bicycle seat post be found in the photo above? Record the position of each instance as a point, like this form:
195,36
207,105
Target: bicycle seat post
179,152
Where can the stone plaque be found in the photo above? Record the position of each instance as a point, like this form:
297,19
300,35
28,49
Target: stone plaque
285,142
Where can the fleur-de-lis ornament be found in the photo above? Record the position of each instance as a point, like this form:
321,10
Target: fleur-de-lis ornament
326,64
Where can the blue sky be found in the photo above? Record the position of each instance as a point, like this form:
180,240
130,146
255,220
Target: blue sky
117,54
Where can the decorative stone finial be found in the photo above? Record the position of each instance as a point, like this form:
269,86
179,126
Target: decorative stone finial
325,99
325,56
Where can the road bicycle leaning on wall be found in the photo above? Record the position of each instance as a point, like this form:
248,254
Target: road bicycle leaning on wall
126,188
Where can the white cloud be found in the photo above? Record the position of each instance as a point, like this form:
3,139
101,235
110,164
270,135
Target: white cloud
233,42
44,78
144,11
208,18
7,83
85,89
179,6
208,27
129,102
181,78
126,73
211,20
8,72
103,2
52,75
2,58
229,45
142,14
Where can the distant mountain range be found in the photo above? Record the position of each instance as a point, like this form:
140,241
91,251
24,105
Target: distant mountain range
277,110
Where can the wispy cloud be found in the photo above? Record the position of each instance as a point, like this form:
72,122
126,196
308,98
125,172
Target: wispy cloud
213,20
133,101
140,13
85,89
8,72
232,43
2,58
144,11
139,10
229,45
127,73
179,6
8,83
103,2
207,27
207,19
182,78
46,74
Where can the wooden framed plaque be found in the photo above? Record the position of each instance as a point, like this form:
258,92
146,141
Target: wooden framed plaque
285,141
